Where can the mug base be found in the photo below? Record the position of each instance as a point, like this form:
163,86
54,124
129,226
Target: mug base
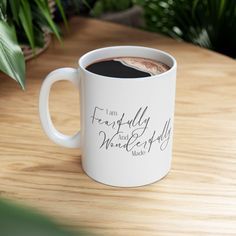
126,185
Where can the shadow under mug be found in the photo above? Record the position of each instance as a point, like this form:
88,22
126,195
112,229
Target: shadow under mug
126,128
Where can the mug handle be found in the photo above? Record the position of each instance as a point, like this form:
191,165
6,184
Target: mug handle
71,75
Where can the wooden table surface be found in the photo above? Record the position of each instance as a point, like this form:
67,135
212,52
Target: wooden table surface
198,197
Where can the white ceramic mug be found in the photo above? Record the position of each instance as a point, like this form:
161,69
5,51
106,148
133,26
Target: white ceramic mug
126,124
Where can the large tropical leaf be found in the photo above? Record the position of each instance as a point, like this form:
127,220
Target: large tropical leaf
16,220
28,19
12,60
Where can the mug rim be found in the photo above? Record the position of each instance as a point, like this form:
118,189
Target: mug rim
82,67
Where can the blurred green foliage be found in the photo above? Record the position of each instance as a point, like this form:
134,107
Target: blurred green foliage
208,23
16,220
103,6
75,7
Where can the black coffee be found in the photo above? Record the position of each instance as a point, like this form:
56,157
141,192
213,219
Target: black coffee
127,67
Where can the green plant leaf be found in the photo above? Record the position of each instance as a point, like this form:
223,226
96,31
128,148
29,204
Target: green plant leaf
87,4
43,7
97,9
16,220
26,21
39,37
15,6
12,60
103,6
3,7
58,2
221,8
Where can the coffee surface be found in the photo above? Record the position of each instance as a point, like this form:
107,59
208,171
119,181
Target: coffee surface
127,67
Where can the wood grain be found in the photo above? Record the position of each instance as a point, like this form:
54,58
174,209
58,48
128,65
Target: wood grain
198,197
